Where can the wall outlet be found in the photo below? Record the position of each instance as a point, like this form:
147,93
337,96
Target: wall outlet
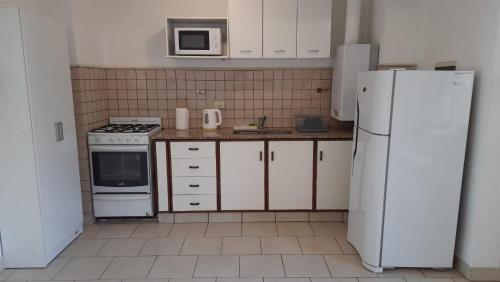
219,105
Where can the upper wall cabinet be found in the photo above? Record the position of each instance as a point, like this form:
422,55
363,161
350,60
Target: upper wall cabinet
245,28
280,33
314,28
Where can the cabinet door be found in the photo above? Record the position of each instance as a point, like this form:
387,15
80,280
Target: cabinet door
245,28
334,172
161,175
280,29
290,175
314,28
242,175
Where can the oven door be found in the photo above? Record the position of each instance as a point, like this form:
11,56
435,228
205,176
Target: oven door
120,169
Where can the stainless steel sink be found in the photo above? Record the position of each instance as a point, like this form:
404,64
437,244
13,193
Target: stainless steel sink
262,131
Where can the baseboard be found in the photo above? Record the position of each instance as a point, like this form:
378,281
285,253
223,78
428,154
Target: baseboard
477,273
338,216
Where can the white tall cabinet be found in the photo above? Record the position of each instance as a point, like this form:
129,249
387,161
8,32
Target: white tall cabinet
245,28
242,175
290,175
333,175
314,18
40,198
280,29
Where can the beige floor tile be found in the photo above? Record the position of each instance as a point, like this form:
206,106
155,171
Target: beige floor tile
280,245
234,279
84,248
286,280
402,272
446,273
259,229
122,247
337,229
294,229
128,268
192,280
123,230
223,229
4,274
382,279
89,231
162,247
319,245
182,230
347,266
84,268
261,266
40,273
436,279
140,280
241,246
346,247
335,279
217,266
201,246
173,267
152,230
305,266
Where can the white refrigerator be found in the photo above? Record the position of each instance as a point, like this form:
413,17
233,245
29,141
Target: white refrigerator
410,137
40,197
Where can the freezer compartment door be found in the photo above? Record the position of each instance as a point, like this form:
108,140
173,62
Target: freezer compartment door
366,199
374,101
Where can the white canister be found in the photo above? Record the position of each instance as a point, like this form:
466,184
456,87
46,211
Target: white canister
181,118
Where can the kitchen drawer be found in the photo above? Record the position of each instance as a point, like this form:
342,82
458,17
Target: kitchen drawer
193,167
195,202
192,150
194,185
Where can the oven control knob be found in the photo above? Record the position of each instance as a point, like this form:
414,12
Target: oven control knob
136,140
128,139
111,140
97,139
120,140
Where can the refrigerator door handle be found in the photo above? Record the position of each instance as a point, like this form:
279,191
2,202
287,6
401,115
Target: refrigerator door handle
355,151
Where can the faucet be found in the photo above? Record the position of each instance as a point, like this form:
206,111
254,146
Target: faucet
262,121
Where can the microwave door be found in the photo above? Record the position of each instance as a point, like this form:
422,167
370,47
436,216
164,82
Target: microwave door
193,42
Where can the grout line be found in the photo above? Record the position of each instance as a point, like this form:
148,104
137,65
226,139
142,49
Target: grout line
283,265
113,258
327,266
151,267
195,266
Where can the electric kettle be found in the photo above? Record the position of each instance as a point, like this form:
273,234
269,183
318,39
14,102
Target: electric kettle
211,119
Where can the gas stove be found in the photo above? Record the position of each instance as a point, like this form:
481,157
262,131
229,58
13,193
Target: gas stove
125,131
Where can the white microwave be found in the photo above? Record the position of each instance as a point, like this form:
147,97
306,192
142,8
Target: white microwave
197,41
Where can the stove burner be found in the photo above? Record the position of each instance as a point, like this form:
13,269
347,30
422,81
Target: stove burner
126,128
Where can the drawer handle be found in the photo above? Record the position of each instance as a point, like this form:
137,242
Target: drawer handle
193,149
279,51
246,51
260,155
313,51
194,204
194,166
194,185
272,155
320,155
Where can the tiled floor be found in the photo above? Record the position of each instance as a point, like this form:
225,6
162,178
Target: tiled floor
217,252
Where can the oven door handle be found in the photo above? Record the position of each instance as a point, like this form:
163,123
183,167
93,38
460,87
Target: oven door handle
121,198
118,148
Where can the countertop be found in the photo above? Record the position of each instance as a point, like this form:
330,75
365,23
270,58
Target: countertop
341,133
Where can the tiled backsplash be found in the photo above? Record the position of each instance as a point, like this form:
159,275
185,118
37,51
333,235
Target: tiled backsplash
280,94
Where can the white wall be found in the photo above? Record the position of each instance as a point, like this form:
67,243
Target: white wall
468,31
59,9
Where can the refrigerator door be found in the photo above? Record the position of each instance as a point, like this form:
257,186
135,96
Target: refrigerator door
428,140
366,199
374,101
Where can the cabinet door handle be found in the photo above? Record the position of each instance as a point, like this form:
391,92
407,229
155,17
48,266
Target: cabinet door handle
260,155
193,149
320,155
59,131
313,51
279,51
194,185
246,51
194,204
194,166
272,155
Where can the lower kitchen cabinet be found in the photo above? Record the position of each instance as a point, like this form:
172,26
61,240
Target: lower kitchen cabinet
242,175
333,174
161,175
290,175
